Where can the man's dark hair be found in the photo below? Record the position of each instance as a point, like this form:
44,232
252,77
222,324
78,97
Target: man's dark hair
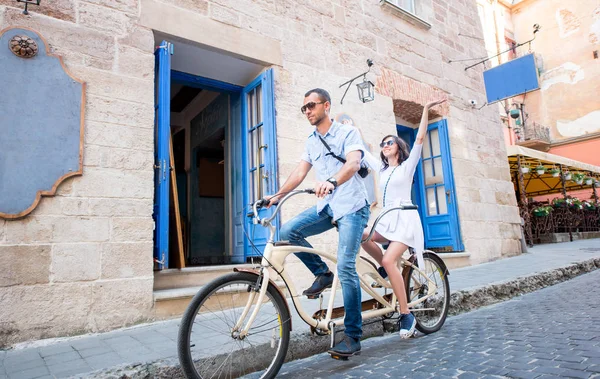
323,95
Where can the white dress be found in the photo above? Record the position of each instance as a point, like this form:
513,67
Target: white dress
395,184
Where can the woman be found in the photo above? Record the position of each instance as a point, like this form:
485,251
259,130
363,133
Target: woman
401,229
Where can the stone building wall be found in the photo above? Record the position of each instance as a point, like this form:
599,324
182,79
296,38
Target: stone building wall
82,261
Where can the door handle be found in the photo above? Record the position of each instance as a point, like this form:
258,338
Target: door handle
448,197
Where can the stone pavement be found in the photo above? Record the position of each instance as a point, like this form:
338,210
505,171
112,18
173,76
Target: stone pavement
142,345
551,333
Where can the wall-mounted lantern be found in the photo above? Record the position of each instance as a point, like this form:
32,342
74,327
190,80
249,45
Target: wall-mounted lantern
27,2
366,89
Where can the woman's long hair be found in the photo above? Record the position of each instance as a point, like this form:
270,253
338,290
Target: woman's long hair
403,151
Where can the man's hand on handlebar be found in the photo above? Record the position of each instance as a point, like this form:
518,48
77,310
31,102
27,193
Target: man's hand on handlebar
323,188
270,200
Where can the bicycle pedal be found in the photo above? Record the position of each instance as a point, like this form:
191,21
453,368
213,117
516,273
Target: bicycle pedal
339,357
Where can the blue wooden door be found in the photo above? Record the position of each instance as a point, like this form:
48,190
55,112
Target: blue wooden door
260,153
162,163
439,212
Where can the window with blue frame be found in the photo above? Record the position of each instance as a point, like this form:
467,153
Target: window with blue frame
433,175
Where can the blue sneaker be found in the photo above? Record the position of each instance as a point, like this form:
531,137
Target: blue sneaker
407,325
346,348
382,272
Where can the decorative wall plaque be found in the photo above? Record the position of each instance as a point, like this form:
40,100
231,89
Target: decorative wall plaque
41,122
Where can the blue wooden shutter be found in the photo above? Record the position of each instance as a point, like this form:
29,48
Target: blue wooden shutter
438,201
260,153
161,153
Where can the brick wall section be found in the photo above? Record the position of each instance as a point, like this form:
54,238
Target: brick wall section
100,224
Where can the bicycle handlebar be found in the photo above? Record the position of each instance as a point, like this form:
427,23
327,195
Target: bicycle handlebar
257,205
400,207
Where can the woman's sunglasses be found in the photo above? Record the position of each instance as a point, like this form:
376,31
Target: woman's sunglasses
386,143
310,106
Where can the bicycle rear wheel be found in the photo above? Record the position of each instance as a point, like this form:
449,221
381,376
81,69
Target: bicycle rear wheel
208,346
431,313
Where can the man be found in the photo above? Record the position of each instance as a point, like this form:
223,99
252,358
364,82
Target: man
346,206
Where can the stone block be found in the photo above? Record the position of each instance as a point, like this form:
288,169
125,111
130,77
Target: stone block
132,229
140,38
64,189
24,265
98,182
504,198
81,229
119,112
133,62
117,303
104,19
121,207
196,6
511,247
63,35
30,229
101,156
127,260
114,86
225,15
488,196
128,6
112,135
43,311
58,205
76,262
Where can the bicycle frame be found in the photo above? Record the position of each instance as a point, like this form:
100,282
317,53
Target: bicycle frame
275,256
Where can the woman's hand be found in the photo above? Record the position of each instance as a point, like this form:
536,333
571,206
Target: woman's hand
434,103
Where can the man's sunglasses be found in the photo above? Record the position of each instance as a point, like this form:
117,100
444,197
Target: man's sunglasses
310,106
386,143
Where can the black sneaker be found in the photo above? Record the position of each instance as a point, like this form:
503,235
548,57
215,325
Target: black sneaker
346,348
382,272
321,283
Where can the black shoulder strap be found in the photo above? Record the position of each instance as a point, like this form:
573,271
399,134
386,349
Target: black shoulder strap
331,152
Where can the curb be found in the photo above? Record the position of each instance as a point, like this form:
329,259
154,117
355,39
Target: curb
304,345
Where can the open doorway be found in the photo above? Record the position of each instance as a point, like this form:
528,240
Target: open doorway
219,112
199,120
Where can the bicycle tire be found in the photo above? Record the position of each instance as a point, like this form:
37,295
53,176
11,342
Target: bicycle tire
439,263
183,341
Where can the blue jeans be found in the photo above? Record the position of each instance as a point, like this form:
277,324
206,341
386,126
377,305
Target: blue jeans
350,229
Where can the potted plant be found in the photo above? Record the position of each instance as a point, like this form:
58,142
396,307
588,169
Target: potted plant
524,169
588,181
559,202
576,203
589,206
541,170
567,175
555,172
578,178
542,211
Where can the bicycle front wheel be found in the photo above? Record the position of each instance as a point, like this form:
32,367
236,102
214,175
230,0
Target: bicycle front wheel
430,313
209,345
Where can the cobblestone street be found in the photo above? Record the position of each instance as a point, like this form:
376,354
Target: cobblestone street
551,333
